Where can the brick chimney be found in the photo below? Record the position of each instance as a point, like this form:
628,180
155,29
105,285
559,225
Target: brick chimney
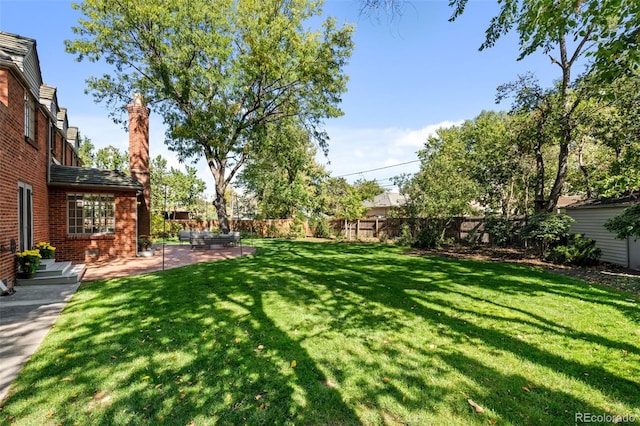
139,159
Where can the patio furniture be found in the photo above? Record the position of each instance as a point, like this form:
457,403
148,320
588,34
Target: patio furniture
207,239
184,236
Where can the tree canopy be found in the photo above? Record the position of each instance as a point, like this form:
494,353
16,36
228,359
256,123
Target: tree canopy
218,72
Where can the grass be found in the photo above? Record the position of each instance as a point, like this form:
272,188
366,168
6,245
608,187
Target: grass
377,336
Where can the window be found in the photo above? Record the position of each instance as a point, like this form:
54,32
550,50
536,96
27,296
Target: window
25,216
91,214
29,117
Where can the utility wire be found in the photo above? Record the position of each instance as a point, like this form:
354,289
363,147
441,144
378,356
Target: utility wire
379,168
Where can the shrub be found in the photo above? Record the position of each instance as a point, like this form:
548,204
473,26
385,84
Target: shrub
579,251
428,237
320,227
545,230
500,230
406,237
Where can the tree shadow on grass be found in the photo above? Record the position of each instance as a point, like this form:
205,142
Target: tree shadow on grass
208,344
174,349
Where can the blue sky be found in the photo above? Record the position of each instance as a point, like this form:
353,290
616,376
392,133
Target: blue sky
408,76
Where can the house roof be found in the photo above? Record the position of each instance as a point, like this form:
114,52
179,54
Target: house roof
630,198
87,177
386,199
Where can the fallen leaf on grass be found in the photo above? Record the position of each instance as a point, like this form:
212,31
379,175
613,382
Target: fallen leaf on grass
475,406
526,389
293,363
385,379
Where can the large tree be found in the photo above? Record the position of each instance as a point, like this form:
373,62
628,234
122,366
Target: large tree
567,31
218,71
284,176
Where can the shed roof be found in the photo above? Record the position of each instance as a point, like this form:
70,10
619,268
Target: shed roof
630,198
87,177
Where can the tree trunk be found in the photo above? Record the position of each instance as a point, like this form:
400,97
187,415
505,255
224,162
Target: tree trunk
221,208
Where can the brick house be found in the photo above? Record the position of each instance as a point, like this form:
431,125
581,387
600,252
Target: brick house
45,194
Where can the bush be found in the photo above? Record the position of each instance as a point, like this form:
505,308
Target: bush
500,230
428,238
546,230
406,237
320,227
579,251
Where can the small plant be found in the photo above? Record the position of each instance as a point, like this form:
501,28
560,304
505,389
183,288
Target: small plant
429,237
144,242
500,230
545,230
28,260
406,237
579,251
47,251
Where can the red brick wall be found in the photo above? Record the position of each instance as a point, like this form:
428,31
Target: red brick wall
89,248
139,161
20,161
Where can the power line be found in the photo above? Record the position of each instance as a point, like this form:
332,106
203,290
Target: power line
379,168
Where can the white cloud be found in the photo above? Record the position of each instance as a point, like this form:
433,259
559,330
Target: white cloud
417,138
373,153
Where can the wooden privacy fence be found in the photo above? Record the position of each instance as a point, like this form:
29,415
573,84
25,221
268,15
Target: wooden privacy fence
460,228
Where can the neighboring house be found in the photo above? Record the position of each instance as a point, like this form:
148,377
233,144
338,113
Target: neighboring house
382,204
590,217
45,195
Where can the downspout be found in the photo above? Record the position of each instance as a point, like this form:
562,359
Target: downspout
138,194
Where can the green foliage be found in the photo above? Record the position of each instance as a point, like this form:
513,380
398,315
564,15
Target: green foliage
626,224
579,251
609,29
546,229
85,152
283,174
320,227
500,230
406,237
430,236
442,187
296,229
161,227
111,158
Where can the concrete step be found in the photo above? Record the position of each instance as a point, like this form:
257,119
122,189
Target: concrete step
65,273
55,269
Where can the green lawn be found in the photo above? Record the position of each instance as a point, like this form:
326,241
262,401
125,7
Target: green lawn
377,336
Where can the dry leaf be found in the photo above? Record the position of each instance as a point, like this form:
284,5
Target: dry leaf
49,415
238,340
293,363
260,347
493,421
385,379
475,406
146,377
526,389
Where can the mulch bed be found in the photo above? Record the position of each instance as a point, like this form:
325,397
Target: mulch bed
606,274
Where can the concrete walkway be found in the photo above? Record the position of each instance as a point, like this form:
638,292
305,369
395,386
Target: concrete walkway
27,315
25,318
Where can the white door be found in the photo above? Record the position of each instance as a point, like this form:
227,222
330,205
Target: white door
25,216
